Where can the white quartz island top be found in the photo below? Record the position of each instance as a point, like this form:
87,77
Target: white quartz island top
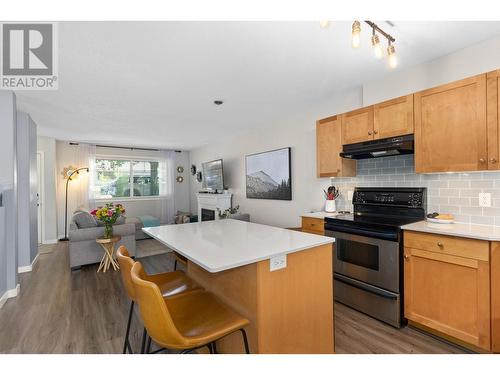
480,232
224,244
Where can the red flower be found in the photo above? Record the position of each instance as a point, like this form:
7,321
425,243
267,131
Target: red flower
93,212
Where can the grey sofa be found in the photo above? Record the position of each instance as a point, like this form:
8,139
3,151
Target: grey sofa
84,250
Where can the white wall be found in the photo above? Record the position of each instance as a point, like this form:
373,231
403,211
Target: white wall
472,60
47,146
299,133
66,155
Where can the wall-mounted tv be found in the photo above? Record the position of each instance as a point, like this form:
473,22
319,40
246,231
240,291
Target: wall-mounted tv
213,176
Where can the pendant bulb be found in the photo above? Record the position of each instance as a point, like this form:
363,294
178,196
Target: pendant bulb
393,59
377,48
356,31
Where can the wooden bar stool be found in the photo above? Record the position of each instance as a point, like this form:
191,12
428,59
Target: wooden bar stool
169,284
186,321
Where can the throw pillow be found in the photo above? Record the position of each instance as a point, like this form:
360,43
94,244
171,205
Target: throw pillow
84,220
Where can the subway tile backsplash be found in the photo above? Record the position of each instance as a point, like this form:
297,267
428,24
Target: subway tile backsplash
455,193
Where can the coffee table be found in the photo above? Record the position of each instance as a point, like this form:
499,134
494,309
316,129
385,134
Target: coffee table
108,259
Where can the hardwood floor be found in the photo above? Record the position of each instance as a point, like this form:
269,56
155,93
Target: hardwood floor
59,311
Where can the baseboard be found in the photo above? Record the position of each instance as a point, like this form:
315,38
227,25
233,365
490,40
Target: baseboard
29,268
49,242
11,293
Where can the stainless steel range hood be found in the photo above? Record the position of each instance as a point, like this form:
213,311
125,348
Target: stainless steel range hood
379,148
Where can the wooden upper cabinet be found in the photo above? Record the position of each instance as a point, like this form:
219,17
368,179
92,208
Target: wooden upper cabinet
393,117
357,126
450,127
447,286
328,147
493,106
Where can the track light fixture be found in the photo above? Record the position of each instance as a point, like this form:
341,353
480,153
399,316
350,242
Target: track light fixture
377,47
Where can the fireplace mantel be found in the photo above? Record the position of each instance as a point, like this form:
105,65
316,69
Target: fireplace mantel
212,202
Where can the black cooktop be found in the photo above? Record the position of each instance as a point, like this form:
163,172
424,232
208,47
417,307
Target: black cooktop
383,208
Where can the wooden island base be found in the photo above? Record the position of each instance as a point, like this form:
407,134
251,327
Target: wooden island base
290,310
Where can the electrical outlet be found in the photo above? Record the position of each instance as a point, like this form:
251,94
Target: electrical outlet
277,263
484,199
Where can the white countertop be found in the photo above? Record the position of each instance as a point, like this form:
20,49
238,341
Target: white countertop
480,232
224,244
320,214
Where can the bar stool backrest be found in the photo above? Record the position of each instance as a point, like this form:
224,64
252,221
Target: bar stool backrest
126,263
154,311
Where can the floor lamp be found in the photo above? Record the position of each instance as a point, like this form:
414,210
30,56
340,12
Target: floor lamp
69,172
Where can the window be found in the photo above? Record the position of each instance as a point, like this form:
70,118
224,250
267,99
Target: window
117,178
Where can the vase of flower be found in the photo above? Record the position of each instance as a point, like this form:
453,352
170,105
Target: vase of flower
108,230
108,215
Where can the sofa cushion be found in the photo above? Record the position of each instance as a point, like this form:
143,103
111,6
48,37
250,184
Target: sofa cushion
84,220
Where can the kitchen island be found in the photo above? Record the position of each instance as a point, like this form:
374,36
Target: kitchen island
290,308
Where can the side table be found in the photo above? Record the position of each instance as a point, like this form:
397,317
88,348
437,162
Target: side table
108,259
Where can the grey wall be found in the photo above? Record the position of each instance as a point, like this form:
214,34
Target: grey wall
47,146
8,256
26,190
3,255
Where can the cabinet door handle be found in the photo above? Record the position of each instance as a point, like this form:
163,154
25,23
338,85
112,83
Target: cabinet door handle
482,160
440,244
370,133
493,160
375,132
407,257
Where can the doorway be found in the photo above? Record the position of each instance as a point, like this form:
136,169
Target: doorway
39,196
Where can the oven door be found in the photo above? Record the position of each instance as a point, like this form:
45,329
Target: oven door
371,260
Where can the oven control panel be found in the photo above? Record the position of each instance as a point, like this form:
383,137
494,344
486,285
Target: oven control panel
402,197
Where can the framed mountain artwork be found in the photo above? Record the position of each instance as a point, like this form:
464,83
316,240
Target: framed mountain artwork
268,175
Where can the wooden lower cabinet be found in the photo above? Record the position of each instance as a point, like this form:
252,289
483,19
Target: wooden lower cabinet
446,288
313,225
495,296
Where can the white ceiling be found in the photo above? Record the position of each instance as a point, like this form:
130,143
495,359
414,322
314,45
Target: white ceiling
153,83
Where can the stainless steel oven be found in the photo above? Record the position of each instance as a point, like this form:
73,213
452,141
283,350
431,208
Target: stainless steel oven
367,258
367,275
371,260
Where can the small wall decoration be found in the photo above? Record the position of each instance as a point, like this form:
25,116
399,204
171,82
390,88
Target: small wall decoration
193,169
199,177
180,169
179,179
268,175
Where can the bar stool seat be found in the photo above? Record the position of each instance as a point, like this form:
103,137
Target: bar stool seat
201,318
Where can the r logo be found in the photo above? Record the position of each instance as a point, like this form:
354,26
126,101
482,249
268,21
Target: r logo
27,49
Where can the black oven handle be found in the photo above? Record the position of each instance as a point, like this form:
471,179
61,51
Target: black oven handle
389,236
366,287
